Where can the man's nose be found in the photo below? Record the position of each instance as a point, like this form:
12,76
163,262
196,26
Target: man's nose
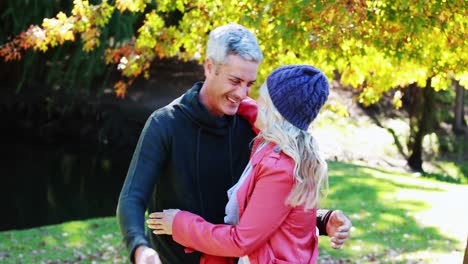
242,92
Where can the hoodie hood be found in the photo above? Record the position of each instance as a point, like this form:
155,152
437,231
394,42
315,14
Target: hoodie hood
190,105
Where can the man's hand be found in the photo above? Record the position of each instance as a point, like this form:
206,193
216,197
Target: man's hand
146,255
338,228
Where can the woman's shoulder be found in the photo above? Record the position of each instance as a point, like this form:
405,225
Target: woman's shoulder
275,154
275,161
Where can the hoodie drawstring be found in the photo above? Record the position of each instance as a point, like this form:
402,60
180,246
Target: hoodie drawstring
197,173
230,157
231,161
197,164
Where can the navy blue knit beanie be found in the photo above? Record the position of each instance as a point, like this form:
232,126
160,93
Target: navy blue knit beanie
298,92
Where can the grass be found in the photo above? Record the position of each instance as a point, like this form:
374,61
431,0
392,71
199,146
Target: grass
89,241
397,218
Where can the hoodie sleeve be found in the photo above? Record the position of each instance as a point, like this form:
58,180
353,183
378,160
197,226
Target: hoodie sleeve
248,110
143,173
265,212
323,215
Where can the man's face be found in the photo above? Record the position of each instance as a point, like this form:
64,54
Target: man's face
228,84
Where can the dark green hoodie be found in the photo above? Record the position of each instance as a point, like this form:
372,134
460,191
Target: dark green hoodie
187,159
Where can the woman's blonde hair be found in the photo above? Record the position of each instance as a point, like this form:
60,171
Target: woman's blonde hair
310,170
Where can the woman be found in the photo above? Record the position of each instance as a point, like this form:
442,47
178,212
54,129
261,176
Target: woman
271,211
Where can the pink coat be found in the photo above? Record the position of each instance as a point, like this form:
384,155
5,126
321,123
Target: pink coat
269,231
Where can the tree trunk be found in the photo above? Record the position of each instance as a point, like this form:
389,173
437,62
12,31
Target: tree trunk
421,118
459,124
465,258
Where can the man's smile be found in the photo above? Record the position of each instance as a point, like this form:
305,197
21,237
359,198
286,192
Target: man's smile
232,100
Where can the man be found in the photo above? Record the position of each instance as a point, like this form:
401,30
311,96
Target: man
193,150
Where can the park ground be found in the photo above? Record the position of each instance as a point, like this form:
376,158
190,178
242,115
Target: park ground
399,216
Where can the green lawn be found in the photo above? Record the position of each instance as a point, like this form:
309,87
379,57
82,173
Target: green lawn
397,218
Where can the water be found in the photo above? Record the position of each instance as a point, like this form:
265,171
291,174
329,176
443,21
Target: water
57,166
43,184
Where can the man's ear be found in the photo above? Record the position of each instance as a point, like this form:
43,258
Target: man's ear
209,67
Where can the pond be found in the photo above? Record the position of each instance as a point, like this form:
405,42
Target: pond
45,184
58,166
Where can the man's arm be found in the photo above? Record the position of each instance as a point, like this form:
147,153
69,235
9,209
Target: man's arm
323,215
335,224
142,176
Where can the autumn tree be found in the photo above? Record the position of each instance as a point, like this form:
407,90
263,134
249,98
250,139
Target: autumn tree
376,46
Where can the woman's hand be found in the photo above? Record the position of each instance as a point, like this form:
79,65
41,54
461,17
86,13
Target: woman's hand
161,222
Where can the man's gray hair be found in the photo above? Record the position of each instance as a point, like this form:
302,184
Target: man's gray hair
233,39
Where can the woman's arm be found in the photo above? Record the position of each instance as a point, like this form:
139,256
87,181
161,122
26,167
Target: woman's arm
340,225
248,110
264,213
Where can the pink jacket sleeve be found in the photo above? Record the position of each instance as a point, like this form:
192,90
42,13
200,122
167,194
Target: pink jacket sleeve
248,110
265,212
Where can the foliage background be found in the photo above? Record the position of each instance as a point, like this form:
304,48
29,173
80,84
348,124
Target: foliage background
400,64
